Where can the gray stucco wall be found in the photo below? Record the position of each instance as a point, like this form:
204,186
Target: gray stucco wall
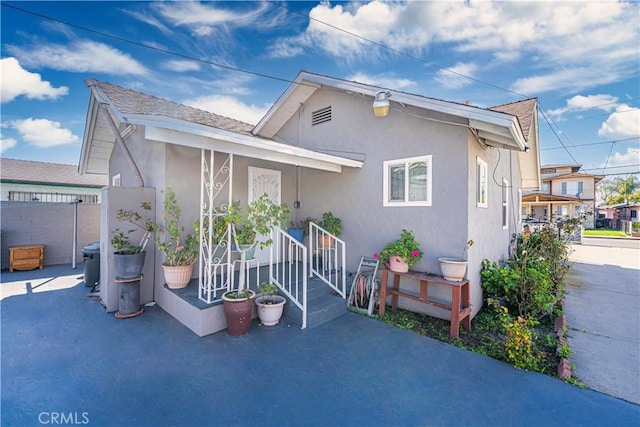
51,225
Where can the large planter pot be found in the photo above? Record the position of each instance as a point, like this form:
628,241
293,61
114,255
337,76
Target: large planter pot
270,312
128,266
397,264
238,312
453,269
177,276
327,242
250,250
297,233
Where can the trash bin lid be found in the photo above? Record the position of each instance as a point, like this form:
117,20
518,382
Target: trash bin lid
91,248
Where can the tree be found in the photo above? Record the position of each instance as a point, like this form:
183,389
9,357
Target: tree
626,186
619,190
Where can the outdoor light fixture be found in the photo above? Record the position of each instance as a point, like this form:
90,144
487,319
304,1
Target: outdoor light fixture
381,103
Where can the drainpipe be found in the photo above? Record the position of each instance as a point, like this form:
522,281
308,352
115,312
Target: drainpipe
120,140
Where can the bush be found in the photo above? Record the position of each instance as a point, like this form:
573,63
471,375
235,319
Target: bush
636,227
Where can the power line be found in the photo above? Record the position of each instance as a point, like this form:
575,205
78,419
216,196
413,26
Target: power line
593,143
544,115
616,167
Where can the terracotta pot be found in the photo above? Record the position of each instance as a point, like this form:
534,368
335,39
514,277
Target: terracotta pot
238,313
398,265
177,276
327,242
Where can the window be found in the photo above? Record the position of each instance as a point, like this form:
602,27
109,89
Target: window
572,188
482,183
407,182
545,187
634,214
505,202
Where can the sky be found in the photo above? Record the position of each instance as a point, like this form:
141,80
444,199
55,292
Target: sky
580,59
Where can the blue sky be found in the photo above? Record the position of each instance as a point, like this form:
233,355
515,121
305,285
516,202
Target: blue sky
580,59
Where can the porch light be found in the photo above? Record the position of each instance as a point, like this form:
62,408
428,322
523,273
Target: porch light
381,103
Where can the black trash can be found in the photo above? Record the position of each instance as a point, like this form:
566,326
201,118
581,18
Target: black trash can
91,255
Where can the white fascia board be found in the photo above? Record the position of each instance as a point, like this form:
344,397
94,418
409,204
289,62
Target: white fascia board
178,132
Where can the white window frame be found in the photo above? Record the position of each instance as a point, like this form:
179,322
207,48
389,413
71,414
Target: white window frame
505,203
482,179
406,162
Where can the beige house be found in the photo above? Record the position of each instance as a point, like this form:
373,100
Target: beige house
564,193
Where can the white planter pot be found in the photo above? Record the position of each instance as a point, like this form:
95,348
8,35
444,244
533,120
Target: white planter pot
453,269
270,314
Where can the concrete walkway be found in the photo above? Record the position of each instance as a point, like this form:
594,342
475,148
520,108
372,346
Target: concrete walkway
603,313
64,358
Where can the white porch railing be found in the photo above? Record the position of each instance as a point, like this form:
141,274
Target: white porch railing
327,258
288,269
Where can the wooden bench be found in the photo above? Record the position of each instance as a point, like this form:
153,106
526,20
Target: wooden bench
26,257
460,303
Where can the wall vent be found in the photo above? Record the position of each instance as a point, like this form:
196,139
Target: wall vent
321,116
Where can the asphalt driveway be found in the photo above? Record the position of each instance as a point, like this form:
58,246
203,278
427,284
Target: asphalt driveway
603,314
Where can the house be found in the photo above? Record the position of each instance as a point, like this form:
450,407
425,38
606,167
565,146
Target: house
29,181
619,216
449,172
565,193
40,204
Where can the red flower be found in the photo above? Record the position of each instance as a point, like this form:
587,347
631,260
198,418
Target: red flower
415,253
376,255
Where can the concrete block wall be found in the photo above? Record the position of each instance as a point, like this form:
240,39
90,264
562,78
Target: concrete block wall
48,224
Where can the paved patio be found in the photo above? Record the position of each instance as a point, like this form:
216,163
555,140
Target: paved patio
63,357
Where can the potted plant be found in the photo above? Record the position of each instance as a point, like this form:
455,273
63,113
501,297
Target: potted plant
300,229
249,227
180,250
128,256
455,268
270,304
401,255
333,225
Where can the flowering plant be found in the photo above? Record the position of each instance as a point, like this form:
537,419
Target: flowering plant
121,239
405,247
178,250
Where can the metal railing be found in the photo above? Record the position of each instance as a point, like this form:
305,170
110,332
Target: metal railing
327,258
288,269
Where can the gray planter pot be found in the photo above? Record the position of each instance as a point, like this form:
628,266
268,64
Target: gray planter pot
128,266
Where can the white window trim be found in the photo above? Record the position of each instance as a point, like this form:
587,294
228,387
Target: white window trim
505,203
385,179
481,165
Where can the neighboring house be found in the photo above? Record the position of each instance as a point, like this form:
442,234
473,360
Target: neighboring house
565,193
40,205
449,172
613,216
29,181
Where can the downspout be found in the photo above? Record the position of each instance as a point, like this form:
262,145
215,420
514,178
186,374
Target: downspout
120,140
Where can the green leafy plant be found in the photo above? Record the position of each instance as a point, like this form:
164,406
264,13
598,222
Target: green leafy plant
268,290
121,239
257,219
180,249
519,347
331,223
406,247
242,294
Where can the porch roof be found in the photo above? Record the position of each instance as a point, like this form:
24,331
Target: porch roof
175,123
545,197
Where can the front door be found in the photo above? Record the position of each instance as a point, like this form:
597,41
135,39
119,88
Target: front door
264,181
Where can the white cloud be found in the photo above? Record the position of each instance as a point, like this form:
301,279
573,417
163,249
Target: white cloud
78,56
623,123
454,78
229,107
582,103
181,65
17,81
387,80
631,157
570,46
42,132
7,144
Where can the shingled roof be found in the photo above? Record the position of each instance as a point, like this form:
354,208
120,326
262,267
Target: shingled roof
128,101
524,110
27,171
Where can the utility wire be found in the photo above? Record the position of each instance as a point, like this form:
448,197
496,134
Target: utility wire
544,115
593,143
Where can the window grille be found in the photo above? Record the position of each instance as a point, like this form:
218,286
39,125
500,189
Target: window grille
27,196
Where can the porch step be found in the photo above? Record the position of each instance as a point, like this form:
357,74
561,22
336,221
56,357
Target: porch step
323,305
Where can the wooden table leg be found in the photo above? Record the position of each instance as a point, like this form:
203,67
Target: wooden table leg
396,288
383,293
455,312
466,302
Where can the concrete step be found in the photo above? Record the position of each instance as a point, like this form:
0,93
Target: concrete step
323,305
